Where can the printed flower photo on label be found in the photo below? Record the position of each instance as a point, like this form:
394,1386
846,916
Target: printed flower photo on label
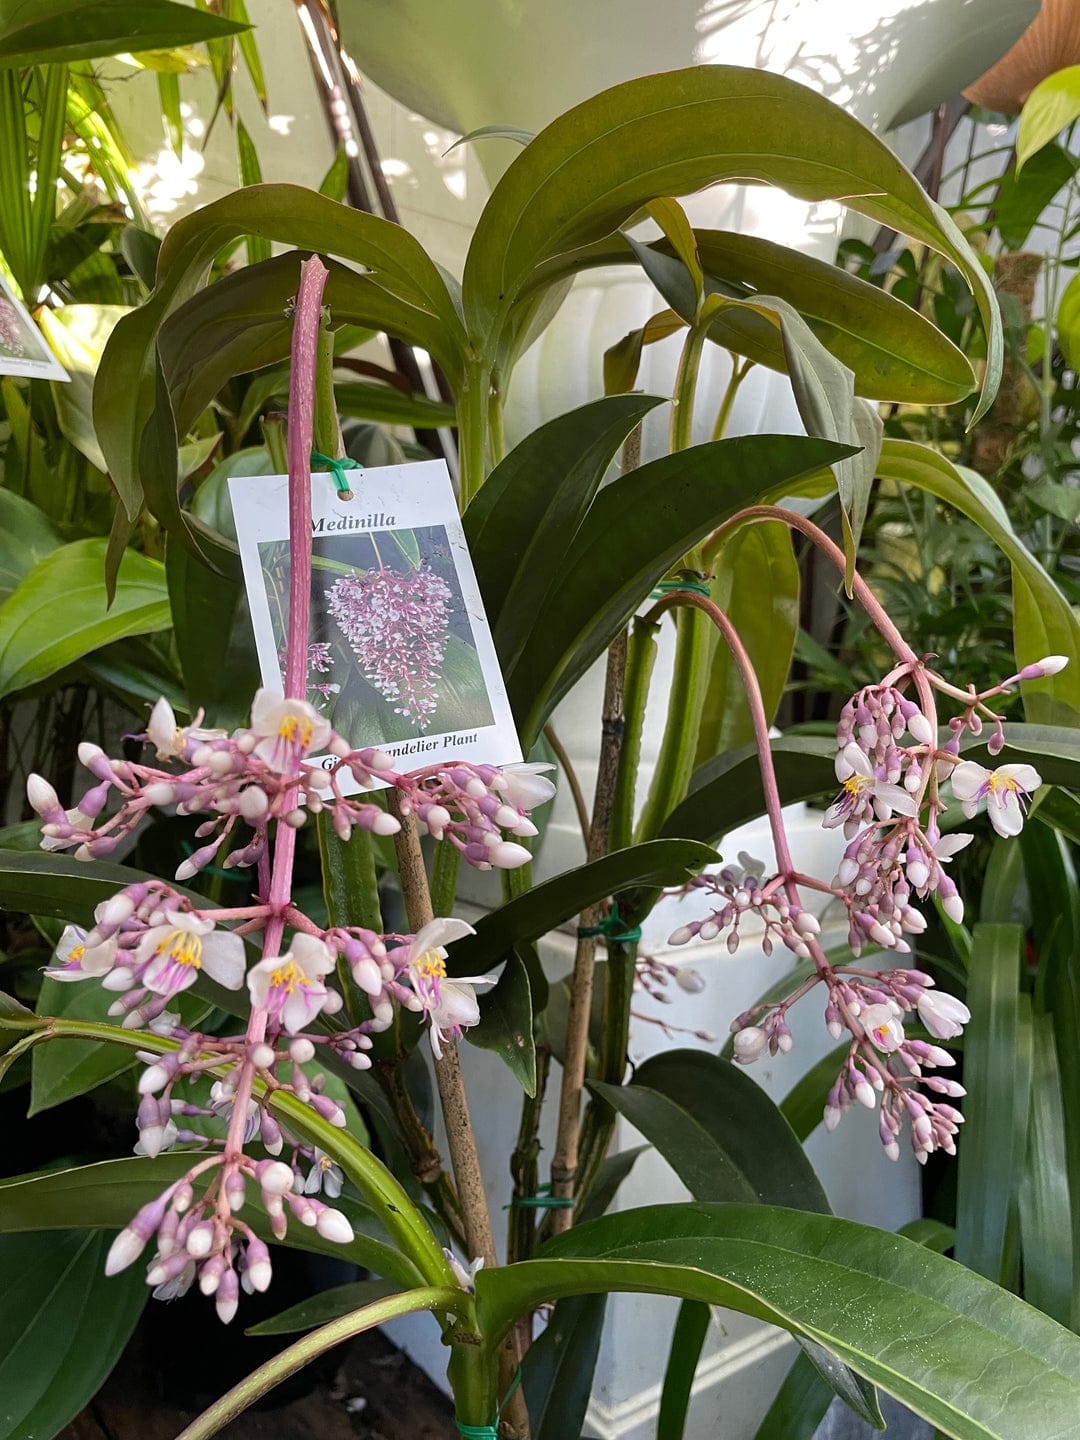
392,654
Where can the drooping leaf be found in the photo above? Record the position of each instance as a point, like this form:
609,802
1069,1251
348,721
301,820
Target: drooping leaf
35,32
1022,198
58,612
63,1324
916,1324
78,335
547,905
582,178
1045,1209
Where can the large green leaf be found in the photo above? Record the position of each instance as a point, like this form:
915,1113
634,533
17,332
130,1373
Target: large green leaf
528,510
584,176
895,353
659,862
992,1149
125,393
27,535
58,612
325,1306
973,1359
1043,621
63,1324
107,1194
36,32
78,335
719,1131
616,558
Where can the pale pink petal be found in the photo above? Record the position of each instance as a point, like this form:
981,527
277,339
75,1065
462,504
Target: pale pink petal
969,781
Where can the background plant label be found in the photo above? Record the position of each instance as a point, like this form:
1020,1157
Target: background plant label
23,348
400,652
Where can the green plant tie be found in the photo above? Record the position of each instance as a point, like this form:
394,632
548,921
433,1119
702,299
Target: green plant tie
612,927
338,469
488,1432
667,586
542,1200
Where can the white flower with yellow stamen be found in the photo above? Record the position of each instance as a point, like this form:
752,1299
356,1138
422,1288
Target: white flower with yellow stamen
883,1027
290,986
170,739
81,961
173,954
286,730
1005,790
450,1005
864,794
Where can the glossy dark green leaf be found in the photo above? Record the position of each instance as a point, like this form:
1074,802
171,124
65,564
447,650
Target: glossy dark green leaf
529,509
615,560
917,1325
396,263
107,1194
615,1169
992,1150
894,352
557,1372
547,905
58,612
757,587
63,1324
582,178
39,32
325,1306
218,664
687,1339
743,1141
1043,621
506,1024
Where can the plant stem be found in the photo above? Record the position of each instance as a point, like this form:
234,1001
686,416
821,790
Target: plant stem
565,1158
452,1097
524,1165
473,428
640,659
738,375
444,873
566,765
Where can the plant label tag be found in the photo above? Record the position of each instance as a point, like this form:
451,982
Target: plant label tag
23,348
400,653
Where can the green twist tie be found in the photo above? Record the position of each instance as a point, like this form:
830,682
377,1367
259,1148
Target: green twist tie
542,1200
488,1432
665,587
338,469
612,927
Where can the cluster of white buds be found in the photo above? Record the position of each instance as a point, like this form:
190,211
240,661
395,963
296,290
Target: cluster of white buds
747,898
266,773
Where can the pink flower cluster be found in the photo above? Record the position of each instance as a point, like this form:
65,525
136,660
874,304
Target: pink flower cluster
265,772
396,625
895,773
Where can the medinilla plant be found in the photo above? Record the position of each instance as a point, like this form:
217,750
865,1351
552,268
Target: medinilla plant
565,565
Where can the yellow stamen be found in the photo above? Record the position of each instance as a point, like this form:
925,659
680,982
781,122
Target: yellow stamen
182,947
999,782
296,731
856,784
77,952
288,977
430,966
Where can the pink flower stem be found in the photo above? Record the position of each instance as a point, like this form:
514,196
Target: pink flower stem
305,345
748,676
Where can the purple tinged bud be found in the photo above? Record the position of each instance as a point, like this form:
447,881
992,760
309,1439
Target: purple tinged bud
124,1251
228,1296
332,1225
1043,669
996,743
259,1271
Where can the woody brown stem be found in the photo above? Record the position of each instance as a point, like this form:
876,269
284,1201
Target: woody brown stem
565,1159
